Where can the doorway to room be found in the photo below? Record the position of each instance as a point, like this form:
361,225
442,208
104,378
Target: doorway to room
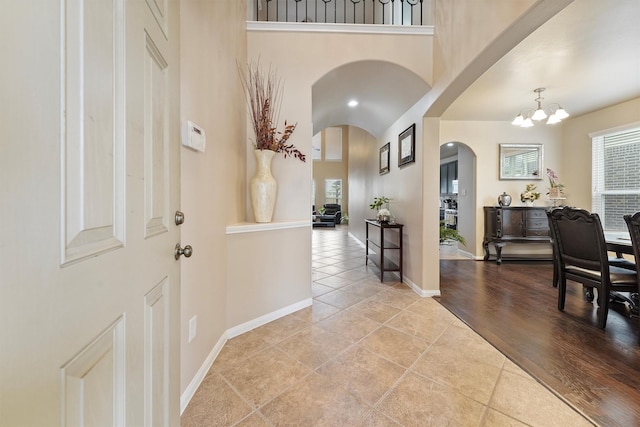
330,183
457,200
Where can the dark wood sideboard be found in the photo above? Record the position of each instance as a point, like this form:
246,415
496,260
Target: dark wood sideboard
517,224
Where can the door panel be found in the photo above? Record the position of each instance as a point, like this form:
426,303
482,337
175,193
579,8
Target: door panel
93,382
89,299
156,139
93,133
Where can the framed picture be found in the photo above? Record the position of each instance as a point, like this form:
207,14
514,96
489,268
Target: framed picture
385,151
407,146
521,161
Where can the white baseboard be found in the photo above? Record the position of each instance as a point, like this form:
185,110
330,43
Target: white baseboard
421,292
269,317
470,255
202,372
228,334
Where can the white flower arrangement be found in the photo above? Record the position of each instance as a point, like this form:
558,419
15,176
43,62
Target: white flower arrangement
530,193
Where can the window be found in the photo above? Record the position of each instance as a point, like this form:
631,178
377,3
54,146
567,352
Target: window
316,147
333,191
333,144
616,176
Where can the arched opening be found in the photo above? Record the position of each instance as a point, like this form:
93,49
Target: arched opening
458,198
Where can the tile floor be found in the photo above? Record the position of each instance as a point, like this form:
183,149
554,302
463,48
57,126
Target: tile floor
368,354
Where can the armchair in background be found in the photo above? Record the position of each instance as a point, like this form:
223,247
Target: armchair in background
328,216
332,212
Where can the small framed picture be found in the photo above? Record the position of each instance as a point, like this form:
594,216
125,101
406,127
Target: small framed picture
407,146
385,151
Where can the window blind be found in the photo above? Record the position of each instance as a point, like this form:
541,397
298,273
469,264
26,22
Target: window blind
616,176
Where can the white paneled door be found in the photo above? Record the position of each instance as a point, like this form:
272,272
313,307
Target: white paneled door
89,174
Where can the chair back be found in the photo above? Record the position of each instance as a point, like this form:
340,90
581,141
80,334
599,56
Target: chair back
331,208
579,239
633,224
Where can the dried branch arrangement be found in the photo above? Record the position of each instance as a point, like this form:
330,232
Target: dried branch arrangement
263,90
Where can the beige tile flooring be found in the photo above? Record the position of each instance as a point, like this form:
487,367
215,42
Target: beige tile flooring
368,354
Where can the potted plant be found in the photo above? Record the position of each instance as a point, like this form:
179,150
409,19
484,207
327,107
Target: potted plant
556,188
450,234
383,214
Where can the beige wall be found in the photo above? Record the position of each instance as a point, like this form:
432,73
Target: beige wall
404,186
481,21
268,271
467,170
316,54
362,148
576,147
213,182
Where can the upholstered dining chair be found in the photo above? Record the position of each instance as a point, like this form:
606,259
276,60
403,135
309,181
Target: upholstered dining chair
618,260
633,224
582,257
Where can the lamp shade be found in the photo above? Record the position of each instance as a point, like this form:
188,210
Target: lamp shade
539,114
518,120
553,119
561,113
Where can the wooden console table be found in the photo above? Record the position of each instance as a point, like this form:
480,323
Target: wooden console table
518,224
379,244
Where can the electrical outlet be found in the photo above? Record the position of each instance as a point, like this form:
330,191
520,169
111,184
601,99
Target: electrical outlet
193,326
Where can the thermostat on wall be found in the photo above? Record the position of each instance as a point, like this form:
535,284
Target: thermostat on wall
193,136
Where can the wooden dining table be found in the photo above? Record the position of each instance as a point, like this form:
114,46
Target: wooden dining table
620,243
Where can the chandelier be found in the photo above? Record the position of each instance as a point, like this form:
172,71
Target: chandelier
554,113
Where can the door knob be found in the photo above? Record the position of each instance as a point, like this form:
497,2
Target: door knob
179,218
187,251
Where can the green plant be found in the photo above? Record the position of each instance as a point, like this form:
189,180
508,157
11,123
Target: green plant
378,202
450,234
344,219
322,210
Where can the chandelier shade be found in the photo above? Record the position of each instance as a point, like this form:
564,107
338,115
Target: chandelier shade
554,113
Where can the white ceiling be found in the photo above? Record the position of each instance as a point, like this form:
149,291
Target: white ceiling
587,57
384,92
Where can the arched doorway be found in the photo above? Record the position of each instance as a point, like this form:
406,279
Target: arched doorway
458,197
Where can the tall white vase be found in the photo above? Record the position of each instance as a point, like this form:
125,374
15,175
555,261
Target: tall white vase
263,187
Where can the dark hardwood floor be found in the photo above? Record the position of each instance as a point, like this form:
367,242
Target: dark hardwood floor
514,307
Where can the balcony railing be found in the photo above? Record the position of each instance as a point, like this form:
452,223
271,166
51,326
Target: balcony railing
384,12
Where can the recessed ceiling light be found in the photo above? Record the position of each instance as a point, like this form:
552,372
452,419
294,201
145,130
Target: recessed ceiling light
352,103
450,144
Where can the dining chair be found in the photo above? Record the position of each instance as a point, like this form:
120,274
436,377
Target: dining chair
618,260
633,224
582,257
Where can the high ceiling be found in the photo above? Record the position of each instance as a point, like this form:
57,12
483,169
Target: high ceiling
587,57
